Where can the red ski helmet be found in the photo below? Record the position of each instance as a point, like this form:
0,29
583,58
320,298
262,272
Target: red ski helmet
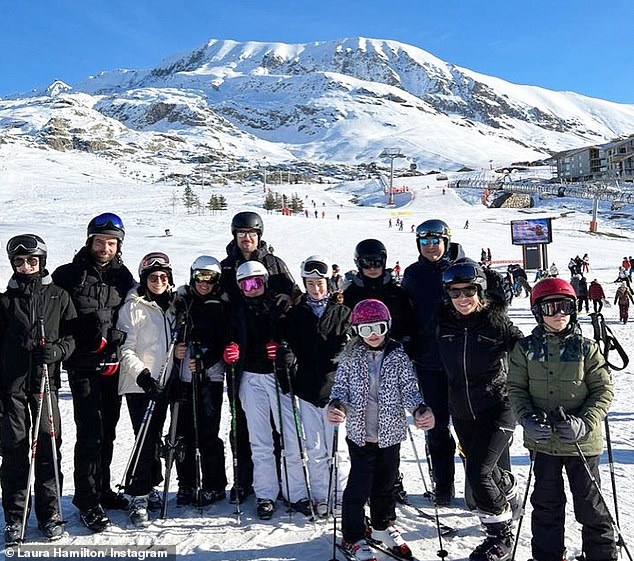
551,287
370,311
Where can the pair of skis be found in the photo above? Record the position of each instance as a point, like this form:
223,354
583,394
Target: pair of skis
379,547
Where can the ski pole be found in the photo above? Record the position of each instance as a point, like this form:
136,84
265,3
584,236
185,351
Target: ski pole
51,424
334,468
233,433
418,461
300,443
524,501
442,552
196,375
608,441
282,442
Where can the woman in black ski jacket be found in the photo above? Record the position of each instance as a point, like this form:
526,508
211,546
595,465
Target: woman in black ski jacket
474,336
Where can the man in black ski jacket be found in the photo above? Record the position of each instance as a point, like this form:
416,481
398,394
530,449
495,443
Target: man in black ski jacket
422,280
32,304
98,282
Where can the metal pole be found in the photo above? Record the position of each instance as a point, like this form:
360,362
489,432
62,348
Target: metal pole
391,198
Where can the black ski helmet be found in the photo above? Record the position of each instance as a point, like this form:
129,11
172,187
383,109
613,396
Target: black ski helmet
108,224
247,221
27,244
465,271
434,228
370,249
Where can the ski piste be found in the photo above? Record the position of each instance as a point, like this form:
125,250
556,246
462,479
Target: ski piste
445,529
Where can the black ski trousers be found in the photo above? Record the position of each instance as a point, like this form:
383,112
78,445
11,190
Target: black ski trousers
97,408
373,471
148,472
212,451
20,412
483,441
239,440
442,447
549,502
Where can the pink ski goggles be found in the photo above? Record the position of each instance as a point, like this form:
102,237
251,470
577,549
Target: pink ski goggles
251,284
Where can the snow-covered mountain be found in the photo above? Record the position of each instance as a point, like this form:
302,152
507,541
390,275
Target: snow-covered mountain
333,101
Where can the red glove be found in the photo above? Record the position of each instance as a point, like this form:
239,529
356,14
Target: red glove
231,354
109,368
101,345
271,350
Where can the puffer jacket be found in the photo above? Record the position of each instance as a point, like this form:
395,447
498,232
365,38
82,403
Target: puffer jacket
548,370
148,335
473,350
398,391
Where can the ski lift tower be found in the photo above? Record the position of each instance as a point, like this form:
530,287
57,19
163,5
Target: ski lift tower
391,154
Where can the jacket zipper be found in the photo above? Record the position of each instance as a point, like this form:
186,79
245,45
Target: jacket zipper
464,370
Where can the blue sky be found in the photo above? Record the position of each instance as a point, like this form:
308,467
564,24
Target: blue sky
573,45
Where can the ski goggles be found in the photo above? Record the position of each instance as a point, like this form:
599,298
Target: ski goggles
468,291
156,259
550,308
31,261
251,284
108,219
429,241
24,245
209,277
370,262
315,268
365,330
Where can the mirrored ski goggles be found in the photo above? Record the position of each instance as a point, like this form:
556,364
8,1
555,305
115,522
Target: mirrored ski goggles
429,241
210,277
460,272
364,330
316,268
156,259
31,261
108,219
551,308
370,262
468,291
251,284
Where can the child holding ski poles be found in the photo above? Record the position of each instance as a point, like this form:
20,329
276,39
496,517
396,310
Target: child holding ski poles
206,307
374,384
561,390
35,317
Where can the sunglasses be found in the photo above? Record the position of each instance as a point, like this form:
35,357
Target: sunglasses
469,292
251,284
209,277
156,259
157,277
429,241
108,219
551,308
365,330
31,261
370,262
318,268
241,234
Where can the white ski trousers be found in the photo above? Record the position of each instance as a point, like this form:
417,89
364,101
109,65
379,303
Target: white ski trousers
319,440
259,402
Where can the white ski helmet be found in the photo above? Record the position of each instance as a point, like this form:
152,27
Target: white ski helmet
205,264
250,269
316,267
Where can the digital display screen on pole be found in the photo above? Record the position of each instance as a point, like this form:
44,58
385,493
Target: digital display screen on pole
533,231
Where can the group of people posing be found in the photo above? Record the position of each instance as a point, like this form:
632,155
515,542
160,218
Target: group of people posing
315,378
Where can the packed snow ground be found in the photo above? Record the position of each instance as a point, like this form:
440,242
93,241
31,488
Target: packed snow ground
45,194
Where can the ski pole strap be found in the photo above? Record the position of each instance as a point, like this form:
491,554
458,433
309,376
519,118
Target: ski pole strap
607,342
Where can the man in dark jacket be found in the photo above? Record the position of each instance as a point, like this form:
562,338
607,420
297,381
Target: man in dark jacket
97,281
422,280
247,245
35,318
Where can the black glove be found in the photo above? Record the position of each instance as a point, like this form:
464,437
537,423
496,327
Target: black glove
48,353
150,386
571,430
285,358
536,426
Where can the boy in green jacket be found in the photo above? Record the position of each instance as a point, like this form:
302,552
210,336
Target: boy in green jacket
557,367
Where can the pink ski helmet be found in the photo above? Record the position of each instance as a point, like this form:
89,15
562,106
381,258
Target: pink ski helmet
370,311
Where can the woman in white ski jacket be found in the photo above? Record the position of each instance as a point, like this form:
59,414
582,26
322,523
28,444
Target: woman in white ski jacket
149,320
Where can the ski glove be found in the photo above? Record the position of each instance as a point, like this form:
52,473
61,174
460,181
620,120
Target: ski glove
100,345
573,429
271,349
285,358
231,354
536,426
149,385
48,353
